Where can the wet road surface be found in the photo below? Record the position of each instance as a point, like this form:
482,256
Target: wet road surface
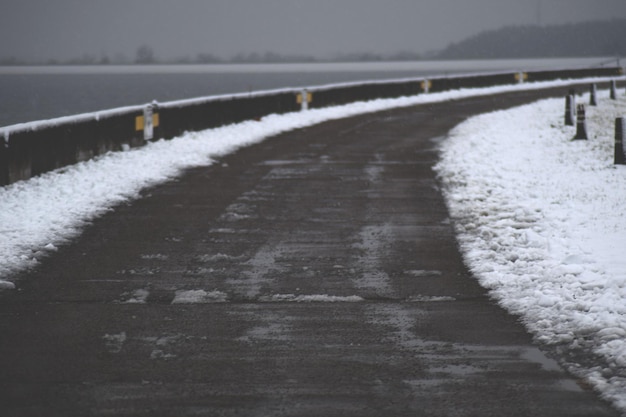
313,274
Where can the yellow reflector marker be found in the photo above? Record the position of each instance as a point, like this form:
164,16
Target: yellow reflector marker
309,98
521,76
139,123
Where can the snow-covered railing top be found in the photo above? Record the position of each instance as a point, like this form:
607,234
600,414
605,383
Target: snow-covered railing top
29,149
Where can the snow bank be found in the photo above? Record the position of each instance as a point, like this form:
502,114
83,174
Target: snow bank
540,221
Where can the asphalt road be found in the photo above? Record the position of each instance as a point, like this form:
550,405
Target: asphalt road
315,274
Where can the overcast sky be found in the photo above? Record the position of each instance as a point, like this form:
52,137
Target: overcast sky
62,29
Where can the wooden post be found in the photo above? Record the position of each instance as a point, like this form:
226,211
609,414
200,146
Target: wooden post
592,95
613,90
570,103
620,158
4,163
581,123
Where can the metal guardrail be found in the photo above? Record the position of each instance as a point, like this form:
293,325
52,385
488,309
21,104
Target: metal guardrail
31,149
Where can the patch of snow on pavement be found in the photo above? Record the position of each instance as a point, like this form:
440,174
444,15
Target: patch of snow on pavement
199,297
540,220
310,298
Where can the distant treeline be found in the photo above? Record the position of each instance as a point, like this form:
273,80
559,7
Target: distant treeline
145,55
599,38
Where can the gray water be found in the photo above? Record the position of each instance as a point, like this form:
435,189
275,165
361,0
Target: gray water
38,93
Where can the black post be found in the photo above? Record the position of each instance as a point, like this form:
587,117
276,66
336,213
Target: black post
613,90
581,123
620,158
569,110
4,159
592,95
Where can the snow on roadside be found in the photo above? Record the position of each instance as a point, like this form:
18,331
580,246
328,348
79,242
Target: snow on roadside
39,214
540,221
540,225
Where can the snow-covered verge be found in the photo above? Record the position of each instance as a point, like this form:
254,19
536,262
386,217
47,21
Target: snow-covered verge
540,221
539,217
39,214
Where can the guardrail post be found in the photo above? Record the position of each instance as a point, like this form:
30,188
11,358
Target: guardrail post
148,121
148,127
570,103
620,126
150,116
304,98
592,95
613,90
581,123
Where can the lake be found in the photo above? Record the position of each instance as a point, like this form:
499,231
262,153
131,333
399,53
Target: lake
38,93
